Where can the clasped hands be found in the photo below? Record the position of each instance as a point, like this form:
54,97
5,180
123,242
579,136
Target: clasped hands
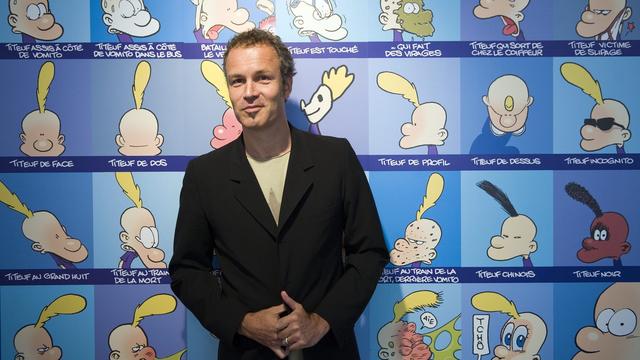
296,330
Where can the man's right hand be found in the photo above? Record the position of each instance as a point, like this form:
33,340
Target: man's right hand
261,326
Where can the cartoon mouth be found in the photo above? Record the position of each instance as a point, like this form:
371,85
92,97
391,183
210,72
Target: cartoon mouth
311,113
214,32
43,145
510,27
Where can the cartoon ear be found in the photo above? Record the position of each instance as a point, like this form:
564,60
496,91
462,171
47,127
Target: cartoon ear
36,246
298,22
485,100
627,14
159,140
23,137
124,236
383,354
533,246
443,134
626,134
120,140
530,100
383,18
60,139
114,355
432,254
107,19
13,20
625,247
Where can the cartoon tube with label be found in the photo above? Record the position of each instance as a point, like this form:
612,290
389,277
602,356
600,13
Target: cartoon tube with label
34,341
41,128
422,235
524,333
139,126
139,235
398,339
46,233
608,231
608,123
130,342
428,120
517,233
616,334
334,83
231,128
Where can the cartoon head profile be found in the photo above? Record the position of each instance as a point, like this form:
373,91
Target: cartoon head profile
524,333
398,339
139,126
509,11
609,119
603,19
213,16
608,231
33,341
422,235
139,235
517,234
34,20
128,18
317,19
616,331
428,120
231,128
334,83
130,342
40,134
47,234
406,16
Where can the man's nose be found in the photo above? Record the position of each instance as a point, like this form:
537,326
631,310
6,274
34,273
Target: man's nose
250,90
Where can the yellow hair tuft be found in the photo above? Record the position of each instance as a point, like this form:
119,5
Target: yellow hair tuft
45,77
129,187
396,84
435,186
337,80
156,305
414,302
578,76
140,82
65,305
494,302
13,202
214,74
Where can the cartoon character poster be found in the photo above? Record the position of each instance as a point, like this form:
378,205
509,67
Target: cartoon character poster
596,20
507,218
600,232
41,116
323,21
51,322
413,20
420,217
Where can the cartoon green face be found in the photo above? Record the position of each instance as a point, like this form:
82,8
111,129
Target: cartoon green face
414,18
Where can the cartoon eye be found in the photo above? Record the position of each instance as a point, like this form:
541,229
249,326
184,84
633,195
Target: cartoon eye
320,98
324,8
42,8
520,336
596,234
416,8
33,12
127,9
149,237
506,335
43,349
408,8
137,348
603,234
602,321
623,322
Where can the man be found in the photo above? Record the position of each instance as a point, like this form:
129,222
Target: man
603,19
300,257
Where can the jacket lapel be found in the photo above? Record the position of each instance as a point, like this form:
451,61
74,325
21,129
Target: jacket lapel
299,176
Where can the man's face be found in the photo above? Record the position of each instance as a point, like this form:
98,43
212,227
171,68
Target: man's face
33,343
426,127
49,236
41,134
317,17
616,334
399,341
515,239
256,87
601,16
608,125
510,11
34,18
419,244
508,104
608,239
521,339
218,14
141,235
414,18
129,17
130,343
139,134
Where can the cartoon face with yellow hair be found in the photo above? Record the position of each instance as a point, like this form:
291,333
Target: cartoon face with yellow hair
508,102
334,83
139,126
34,342
34,18
41,128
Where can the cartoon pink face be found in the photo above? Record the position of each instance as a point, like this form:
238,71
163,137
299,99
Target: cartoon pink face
230,130
399,341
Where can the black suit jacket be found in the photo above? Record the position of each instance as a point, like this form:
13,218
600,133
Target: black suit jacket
327,208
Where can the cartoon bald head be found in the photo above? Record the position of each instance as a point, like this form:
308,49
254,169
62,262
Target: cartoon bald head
508,102
129,17
34,18
603,19
509,11
616,334
317,17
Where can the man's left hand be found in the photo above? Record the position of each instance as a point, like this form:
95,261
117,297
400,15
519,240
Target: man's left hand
299,328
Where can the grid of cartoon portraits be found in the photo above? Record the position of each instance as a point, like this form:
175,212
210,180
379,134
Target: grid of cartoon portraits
491,132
